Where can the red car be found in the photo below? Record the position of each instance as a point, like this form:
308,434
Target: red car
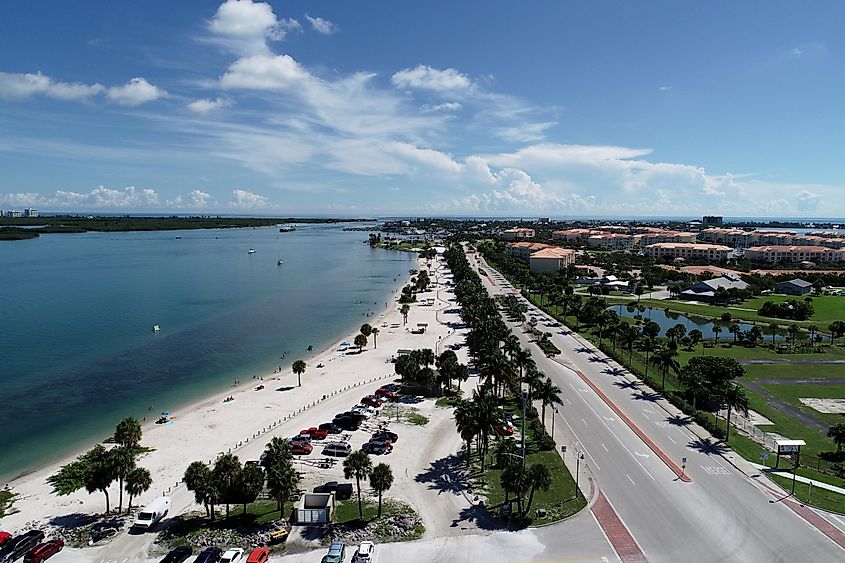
384,393
301,448
372,401
258,555
504,429
315,433
43,551
4,537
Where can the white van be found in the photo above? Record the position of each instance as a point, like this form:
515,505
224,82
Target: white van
150,515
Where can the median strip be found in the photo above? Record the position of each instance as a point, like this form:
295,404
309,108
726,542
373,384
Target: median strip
648,441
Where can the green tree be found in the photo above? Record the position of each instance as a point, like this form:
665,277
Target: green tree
358,465
298,368
549,394
381,479
282,482
366,329
717,330
735,329
512,480
837,329
695,336
199,479
94,471
122,460
227,472
277,451
128,433
404,310
360,341
538,478
375,333
250,484
648,345
138,481
773,330
837,434
735,399
664,359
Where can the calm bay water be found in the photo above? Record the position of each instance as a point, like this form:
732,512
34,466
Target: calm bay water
77,351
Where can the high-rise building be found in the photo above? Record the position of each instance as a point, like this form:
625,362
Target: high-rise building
30,212
712,221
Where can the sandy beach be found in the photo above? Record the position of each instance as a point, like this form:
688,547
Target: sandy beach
245,424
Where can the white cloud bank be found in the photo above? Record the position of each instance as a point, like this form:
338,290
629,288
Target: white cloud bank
19,86
135,92
245,27
133,199
424,77
205,106
322,26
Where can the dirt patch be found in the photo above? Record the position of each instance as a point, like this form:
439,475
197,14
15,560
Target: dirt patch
827,406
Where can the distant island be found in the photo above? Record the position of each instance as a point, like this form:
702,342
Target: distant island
22,228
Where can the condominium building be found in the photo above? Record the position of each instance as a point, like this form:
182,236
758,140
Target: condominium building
659,235
571,235
518,233
696,251
794,254
610,241
523,250
737,238
30,212
550,259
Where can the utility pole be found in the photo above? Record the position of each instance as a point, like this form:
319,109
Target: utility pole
578,457
524,397
556,412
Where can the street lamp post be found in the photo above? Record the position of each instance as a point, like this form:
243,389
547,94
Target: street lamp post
524,398
553,422
578,457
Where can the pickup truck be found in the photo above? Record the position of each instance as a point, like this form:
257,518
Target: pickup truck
315,433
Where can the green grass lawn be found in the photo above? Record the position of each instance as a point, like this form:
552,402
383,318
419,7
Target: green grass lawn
6,499
792,393
814,496
828,308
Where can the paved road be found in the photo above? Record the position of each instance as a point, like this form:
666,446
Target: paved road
722,515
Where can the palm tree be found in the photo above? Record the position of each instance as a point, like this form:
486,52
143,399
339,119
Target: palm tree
138,481
123,462
538,477
695,336
366,329
837,329
735,329
736,399
695,383
467,424
461,373
647,345
486,416
278,451
628,338
716,331
375,332
773,329
813,329
99,472
381,479
359,465
226,472
128,433
549,394
523,361
793,332
298,368
199,479
837,434
405,309
513,480
250,484
360,342
282,481
665,360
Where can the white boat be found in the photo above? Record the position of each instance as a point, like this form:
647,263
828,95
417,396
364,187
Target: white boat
280,262
251,251
287,229
156,328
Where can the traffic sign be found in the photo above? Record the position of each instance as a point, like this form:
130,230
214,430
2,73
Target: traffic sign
764,456
563,449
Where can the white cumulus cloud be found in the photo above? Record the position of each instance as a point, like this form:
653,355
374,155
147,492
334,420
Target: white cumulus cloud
245,27
207,105
135,92
425,77
445,106
17,86
321,26
247,200
264,72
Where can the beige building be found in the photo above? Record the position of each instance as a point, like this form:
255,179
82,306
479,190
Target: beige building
794,254
695,251
571,235
550,259
517,233
658,235
610,241
523,250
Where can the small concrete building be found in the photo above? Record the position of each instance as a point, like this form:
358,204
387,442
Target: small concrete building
315,508
794,287
706,291
550,259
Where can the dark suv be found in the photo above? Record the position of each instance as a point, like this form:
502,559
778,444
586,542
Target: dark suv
209,555
16,547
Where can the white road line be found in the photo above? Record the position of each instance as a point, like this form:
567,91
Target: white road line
605,448
673,441
631,480
584,421
645,415
581,442
568,402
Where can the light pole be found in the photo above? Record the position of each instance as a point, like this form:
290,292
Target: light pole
578,457
524,398
553,422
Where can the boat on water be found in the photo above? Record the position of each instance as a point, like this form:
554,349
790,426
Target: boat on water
251,251
287,229
156,328
280,262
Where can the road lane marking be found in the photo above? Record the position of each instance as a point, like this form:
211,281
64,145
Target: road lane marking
584,421
645,415
673,441
605,448
631,480
578,441
715,470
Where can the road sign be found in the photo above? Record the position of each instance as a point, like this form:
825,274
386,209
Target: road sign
764,456
683,460
563,449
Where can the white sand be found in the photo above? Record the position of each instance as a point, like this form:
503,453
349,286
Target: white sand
243,426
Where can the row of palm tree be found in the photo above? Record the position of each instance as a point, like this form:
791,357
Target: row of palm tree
359,465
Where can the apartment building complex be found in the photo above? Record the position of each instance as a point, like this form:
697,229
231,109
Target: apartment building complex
793,254
689,251
518,233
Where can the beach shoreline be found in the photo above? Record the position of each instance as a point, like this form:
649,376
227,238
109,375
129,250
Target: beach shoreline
171,448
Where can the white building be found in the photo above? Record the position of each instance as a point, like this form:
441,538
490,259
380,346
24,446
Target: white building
696,251
794,254
30,212
517,233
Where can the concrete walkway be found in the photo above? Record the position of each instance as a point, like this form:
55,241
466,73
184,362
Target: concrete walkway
800,479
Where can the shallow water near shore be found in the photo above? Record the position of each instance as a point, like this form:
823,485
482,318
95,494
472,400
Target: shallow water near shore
77,350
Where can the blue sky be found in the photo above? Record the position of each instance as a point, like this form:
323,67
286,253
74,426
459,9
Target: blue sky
384,107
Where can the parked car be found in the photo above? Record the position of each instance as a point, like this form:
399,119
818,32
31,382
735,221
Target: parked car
299,438
353,413
4,537
327,487
315,433
336,553
178,555
377,447
504,429
348,422
301,447
385,393
391,387
258,555
17,547
365,410
337,450
344,491
364,553
44,551
330,427
371,400
209,555
386,435
232,555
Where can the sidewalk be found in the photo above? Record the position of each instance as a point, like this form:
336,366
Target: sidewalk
799,478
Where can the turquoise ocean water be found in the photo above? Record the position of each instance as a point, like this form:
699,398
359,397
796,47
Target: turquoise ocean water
77,351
